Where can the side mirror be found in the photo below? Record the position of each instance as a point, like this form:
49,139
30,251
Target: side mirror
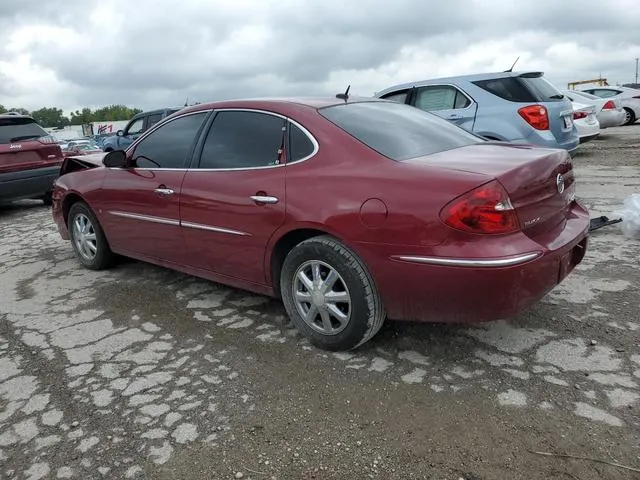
120,133
115,159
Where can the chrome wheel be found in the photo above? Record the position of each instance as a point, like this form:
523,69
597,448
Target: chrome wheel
627,116
84,237
321,297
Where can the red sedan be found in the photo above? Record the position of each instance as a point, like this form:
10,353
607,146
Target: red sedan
350,210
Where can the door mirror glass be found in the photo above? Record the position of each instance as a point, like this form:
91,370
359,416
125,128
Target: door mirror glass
115,159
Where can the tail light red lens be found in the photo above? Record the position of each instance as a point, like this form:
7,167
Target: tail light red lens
609,105
484,210
536,116
579,115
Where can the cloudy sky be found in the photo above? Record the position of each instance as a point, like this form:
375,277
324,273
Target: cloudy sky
155,53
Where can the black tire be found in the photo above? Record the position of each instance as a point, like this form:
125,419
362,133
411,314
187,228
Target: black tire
366,311
631,116
103,256
47,199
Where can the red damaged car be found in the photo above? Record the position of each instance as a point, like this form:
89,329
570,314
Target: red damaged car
350,210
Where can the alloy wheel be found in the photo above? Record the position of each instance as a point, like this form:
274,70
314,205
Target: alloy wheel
84,237
321,297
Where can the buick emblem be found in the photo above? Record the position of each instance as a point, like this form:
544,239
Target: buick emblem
560,183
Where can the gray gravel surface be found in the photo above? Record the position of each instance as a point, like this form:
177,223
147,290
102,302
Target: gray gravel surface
140,372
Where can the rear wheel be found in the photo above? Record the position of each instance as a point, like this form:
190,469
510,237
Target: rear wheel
87,238
329,295
629,116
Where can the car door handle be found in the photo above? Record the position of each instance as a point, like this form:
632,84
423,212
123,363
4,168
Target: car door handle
454,116
264,199
164,191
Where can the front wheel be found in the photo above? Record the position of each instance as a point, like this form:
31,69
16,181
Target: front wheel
87,238
329,295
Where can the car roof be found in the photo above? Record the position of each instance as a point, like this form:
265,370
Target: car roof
275,102
468,78
16,115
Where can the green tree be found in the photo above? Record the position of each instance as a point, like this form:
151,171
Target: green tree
50,117
2,109
114,113
80,117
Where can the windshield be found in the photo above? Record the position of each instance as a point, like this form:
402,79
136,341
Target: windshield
398,131
18,129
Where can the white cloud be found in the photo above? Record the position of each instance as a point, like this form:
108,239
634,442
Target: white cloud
153,53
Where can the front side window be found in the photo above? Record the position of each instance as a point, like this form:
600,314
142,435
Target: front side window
441,97
241,139
136,127
399,132
170,144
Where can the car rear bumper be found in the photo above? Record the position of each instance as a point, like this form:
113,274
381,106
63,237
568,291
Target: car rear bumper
22,184
611,118
428,287
546,139
587,131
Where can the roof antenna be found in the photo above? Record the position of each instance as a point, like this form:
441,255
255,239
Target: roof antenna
514,64
186,102
344,96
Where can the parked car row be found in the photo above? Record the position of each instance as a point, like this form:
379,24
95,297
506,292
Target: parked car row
521,107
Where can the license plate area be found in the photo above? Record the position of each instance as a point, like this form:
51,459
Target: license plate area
568,121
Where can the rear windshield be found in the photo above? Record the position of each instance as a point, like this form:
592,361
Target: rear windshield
19,129
398,131
523,89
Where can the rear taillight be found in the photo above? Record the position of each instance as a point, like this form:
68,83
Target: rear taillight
579,115
609,105
536,116
47,140
484,210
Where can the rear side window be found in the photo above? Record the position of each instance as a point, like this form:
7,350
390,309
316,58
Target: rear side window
240,139
399,132
300,145
19,129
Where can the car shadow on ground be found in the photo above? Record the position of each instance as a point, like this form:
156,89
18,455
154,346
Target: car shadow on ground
22,206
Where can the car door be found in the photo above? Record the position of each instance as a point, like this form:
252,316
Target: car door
447,102
233,200
141,205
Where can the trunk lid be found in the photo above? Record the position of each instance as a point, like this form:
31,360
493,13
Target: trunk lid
540,182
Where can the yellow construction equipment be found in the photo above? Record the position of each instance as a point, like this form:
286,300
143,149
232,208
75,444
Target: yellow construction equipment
602,82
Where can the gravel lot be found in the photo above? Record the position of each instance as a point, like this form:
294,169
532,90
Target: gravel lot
140,372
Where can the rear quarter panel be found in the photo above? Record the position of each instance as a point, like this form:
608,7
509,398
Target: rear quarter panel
401,201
